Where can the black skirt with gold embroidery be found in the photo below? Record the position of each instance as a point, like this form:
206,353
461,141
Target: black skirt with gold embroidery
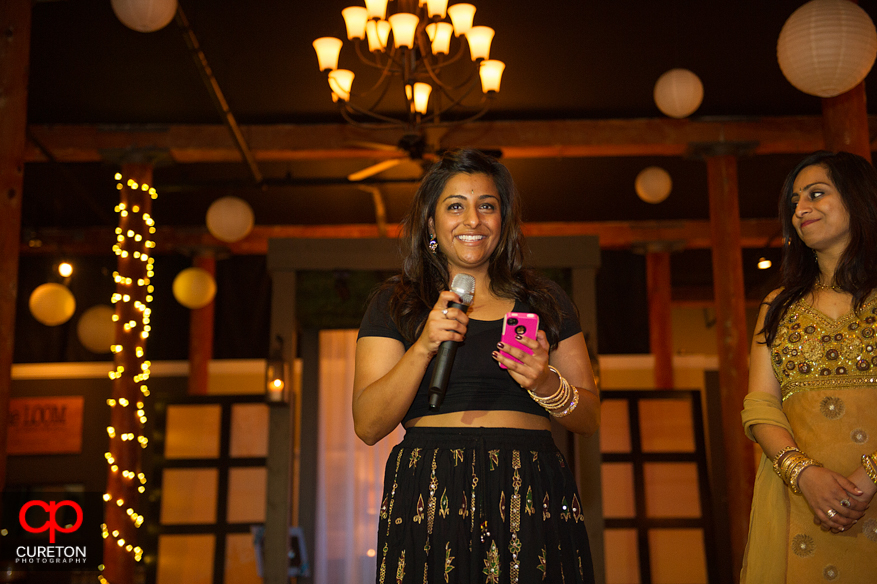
472,505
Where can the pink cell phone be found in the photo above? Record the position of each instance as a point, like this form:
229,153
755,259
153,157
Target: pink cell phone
518,323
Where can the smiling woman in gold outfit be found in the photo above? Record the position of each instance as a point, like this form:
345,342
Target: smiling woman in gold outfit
813,384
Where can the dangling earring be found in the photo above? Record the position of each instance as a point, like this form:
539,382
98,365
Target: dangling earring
433,244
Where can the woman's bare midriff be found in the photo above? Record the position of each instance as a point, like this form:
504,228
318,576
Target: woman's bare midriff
482,418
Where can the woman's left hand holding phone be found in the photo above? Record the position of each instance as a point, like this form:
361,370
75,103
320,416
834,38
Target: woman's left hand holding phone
531,370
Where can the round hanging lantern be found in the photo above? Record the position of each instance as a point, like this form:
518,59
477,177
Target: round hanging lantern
230,219
145,15
194,288
827,47
96,329
52,304
678,93
653,184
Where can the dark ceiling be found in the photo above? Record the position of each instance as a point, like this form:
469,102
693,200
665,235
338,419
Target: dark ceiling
565,60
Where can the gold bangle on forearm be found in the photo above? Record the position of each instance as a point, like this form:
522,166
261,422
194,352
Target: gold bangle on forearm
563,401
779,455
870,466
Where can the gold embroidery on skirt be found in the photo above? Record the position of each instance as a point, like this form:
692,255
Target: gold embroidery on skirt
529,508
515,544
449,560
400,569
418,517
543,565
491,564
444,509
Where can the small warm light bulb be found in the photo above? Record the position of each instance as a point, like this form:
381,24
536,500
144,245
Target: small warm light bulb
764,263
65,269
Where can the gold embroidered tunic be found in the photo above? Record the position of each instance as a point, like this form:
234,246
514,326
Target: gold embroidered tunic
827,370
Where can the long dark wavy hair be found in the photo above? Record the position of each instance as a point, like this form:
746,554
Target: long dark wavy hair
856,272
425,274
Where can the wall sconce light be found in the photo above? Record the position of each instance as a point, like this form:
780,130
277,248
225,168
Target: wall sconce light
277,377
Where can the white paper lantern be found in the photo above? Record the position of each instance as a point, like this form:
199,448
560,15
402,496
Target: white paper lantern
194,288
145,15
678,93
96,329
827,47
52,304
230,219
653,184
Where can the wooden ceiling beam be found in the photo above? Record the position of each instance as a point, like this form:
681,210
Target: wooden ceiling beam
755,233
516,139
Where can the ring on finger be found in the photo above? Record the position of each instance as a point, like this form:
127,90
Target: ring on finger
831,513
445,312
845,503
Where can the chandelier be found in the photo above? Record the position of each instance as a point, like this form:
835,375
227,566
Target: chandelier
421,71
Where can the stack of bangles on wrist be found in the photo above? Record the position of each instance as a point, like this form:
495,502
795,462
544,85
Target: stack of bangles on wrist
556,404
788,464
869,461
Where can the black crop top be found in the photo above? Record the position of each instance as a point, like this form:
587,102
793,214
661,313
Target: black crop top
477,382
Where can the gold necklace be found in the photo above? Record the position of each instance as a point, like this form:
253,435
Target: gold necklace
834,287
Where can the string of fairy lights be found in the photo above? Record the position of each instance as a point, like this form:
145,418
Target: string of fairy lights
133,240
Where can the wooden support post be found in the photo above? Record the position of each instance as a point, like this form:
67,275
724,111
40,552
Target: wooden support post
733,345
130,373
201,334
845,122
660,316
15,19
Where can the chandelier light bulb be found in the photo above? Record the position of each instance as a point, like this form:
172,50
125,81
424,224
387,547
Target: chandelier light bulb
355,18
328,49
462,16
421,97
479,38
440,36
377,9
437,8
490,72
404,25
377,32
341,80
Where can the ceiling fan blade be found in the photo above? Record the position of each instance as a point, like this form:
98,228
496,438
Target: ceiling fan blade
374,169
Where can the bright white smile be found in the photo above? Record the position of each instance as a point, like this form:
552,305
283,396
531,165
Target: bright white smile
470,238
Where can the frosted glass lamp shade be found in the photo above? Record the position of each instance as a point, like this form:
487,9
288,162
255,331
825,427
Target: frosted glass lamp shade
145,15
440,37
678,93
52,304
437,8
194,288
355,18
376,9
341,80
479,38
491,74
421,97
462,16
404,26
653,184
230,219
827,47
96,329
377,32
328,49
